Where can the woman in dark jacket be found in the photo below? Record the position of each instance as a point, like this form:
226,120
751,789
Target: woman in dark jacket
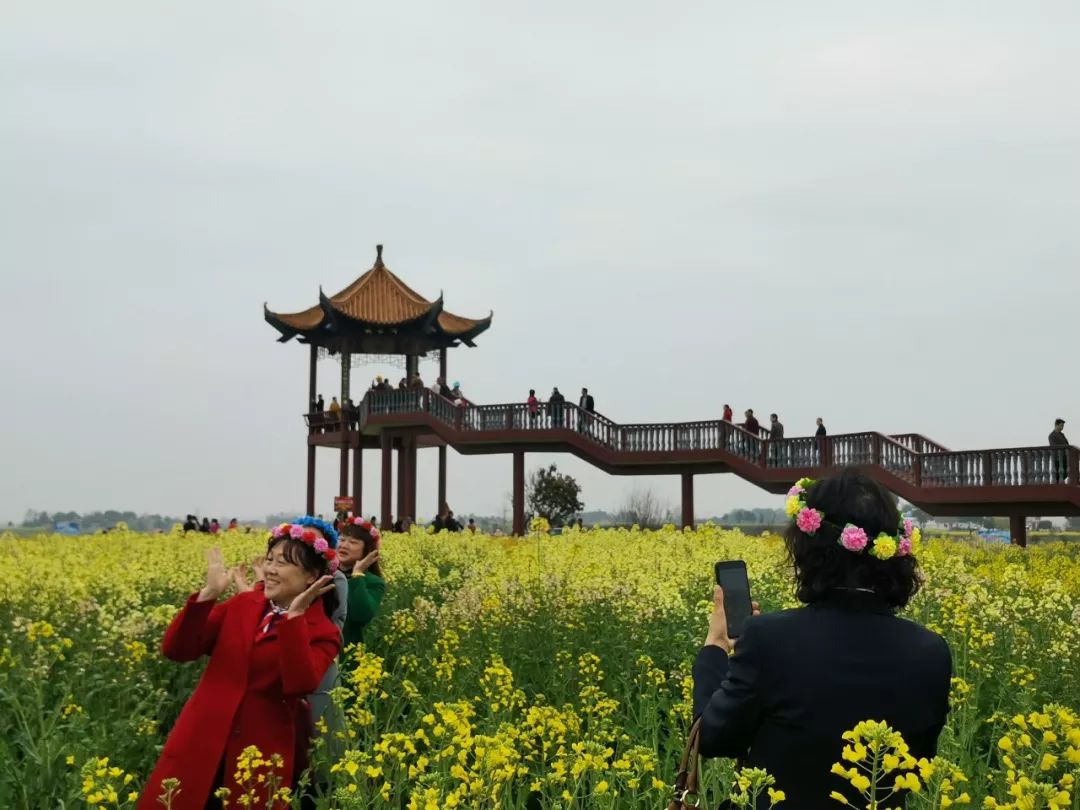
800,678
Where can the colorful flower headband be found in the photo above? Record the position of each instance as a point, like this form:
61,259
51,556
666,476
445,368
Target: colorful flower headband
884,547
303,529
368,527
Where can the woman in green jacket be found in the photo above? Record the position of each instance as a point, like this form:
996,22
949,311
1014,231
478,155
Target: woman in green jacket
358,553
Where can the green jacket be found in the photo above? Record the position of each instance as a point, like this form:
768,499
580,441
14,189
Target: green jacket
365,595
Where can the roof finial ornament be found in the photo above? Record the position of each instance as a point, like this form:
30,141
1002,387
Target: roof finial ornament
378,256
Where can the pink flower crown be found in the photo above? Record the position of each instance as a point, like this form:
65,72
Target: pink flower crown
309,537
904,543
368,527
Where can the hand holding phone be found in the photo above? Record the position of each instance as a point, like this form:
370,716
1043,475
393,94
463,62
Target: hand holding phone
732,578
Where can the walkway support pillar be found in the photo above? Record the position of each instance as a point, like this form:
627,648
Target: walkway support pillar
387,442
343,479
687,500
1018,530
402,478
519,493
442,479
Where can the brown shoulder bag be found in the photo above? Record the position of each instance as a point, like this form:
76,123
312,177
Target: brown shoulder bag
686,781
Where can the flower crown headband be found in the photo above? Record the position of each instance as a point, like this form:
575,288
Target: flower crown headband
368,527
303,529
904,543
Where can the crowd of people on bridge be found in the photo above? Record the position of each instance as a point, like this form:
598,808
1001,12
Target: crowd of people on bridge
557,413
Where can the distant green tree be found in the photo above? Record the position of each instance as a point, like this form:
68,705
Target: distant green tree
553,495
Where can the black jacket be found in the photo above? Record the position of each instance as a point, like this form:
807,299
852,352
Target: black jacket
800,678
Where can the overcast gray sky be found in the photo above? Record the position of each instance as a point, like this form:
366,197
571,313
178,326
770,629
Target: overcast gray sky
863,211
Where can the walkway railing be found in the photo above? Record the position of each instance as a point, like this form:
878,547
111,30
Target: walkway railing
910,456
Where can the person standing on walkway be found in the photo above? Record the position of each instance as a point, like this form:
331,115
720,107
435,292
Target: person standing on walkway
728,413
533,405
751,425
1060,454
776,435
586,407
821,428
819,447
555,406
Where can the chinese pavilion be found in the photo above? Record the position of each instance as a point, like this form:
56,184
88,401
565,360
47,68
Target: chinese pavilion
377,318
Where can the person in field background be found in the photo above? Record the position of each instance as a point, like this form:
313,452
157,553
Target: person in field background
782,697
366,584
268,648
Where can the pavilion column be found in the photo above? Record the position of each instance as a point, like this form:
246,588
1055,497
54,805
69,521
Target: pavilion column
1018,530
310,507
312,382
343,479
442,365
410,479
357,479
346,369
402,477
519,493
688,500
442,479
387,442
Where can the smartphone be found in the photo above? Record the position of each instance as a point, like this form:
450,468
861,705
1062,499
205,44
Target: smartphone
731,576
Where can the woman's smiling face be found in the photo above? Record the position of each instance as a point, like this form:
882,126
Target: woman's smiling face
284,576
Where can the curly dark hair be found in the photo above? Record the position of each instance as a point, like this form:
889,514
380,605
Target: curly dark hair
300,553
822,565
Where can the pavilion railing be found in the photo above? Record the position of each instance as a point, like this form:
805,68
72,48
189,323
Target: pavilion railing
899,455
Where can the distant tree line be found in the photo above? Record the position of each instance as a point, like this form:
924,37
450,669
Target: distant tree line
95,521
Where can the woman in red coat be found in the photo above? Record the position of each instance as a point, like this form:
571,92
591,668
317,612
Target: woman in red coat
268,648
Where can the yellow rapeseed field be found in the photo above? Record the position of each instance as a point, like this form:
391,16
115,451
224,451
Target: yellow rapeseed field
549,671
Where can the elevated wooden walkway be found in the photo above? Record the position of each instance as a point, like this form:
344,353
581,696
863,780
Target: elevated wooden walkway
1009,482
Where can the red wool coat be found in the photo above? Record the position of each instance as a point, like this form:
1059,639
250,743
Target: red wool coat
250,693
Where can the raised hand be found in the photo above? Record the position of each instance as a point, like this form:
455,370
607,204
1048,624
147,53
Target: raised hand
238,575
366,563
718,630
718,634
258,565
217,578
302,602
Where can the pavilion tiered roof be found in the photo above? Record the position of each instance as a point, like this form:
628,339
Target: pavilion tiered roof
377,313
